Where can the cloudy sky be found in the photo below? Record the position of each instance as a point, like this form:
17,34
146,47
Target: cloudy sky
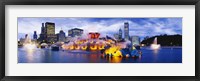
106,26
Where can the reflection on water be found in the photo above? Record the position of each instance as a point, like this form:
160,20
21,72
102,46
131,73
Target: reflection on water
163,55
113,59
155,51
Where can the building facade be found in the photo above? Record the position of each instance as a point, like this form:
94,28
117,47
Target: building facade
50,32
35,35
120,33
42,37
135,40
126,31
61,36
116,36
75,32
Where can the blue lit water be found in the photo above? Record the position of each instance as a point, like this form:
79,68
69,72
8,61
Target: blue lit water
163,55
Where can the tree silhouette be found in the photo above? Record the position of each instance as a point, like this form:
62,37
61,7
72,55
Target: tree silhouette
165,40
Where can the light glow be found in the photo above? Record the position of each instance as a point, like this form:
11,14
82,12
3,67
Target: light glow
29,46
155,46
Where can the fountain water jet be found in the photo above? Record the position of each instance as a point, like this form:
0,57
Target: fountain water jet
155,46
28,44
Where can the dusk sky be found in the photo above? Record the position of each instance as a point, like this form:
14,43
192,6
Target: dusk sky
106,26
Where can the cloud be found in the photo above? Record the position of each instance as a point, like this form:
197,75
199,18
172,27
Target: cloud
157,26
106,26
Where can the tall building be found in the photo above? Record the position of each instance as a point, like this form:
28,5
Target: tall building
21,40
126,31
50,32
42,34
57,36
75,32
70,33
35,35
120,33
116,36
61,36
42,29
135,40
50,28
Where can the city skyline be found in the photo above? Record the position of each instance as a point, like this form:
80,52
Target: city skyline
100,40
137,26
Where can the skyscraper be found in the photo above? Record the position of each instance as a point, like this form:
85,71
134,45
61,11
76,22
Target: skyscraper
50,32
61,36
126,31
42,29
135,40
50,28
35,35
116,35
42,37
120,33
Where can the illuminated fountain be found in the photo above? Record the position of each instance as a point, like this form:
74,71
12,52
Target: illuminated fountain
84,47
100,46
108,47
71,47
76,47
28,44
155,46
113,51
93,47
